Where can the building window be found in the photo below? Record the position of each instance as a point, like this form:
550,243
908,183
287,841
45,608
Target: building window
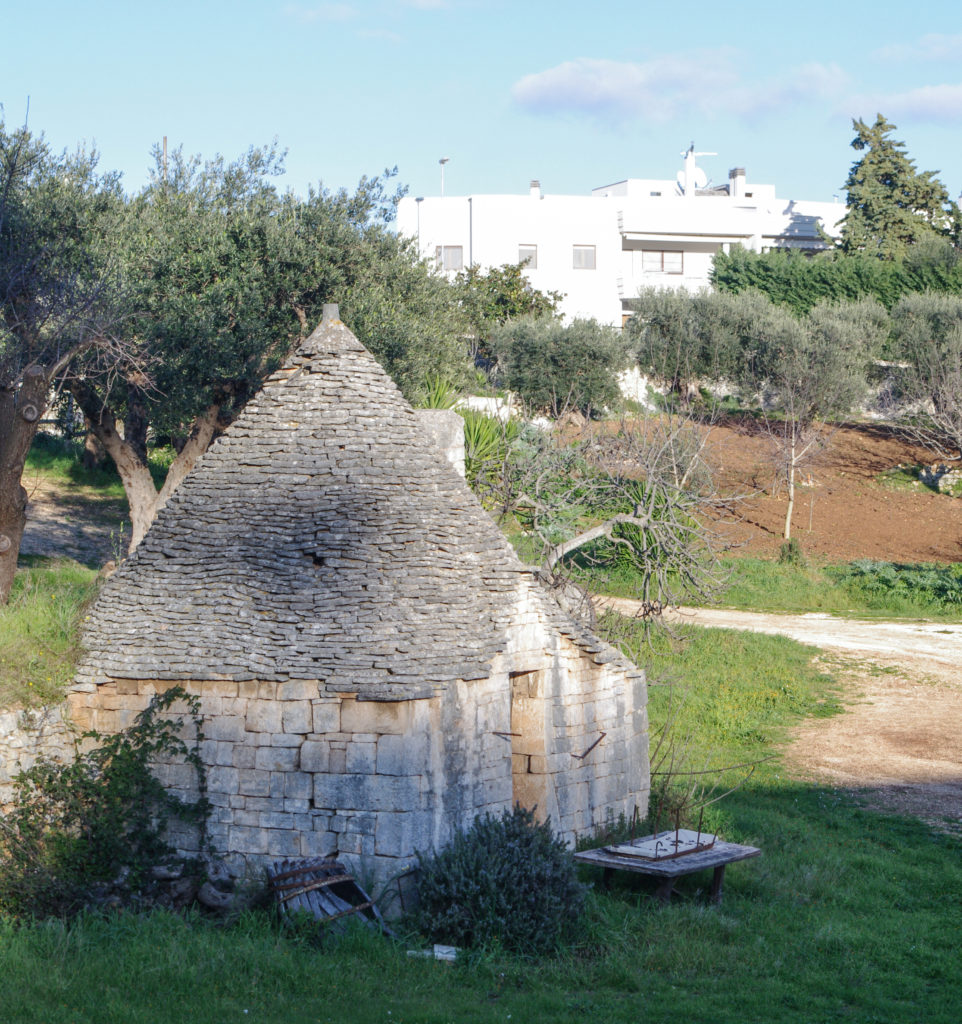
528,255
449,257
583,257
662,261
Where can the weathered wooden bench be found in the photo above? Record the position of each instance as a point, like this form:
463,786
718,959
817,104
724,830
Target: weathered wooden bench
669,868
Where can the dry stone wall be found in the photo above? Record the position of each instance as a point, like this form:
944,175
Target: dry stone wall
26,734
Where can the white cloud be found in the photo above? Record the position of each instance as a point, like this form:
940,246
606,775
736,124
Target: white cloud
822,82
939,104
662,89
933,46
322,12
657,90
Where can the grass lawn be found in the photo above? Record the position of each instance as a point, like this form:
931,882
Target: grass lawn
39,630
863,589
847,916
59,461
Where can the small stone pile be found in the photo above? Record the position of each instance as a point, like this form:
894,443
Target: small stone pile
945,479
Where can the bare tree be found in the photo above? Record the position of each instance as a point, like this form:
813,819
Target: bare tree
623,499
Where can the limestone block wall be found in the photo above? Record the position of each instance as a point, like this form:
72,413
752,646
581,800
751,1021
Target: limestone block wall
446,429
294,774
25,734
597,741
577,724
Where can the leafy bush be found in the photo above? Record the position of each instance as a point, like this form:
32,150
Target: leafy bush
790,553
437,392
79,825
879,583
487,442
505,879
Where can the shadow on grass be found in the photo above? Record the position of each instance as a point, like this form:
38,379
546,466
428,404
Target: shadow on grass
848,915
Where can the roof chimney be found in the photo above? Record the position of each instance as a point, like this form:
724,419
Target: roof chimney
535,189
736,183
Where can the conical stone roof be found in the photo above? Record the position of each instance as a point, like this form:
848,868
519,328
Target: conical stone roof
322,537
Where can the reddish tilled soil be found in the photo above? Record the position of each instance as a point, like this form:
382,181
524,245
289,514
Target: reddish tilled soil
842,510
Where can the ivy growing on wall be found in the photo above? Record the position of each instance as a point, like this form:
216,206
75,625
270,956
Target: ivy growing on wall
75,827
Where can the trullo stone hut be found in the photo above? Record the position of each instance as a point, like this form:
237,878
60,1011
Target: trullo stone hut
375,665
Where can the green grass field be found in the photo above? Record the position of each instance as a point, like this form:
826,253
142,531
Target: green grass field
863,589
849,915
39,630
60,461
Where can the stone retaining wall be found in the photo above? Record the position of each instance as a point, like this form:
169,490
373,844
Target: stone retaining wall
24,735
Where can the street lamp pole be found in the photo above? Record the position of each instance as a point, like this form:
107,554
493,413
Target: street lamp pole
442,162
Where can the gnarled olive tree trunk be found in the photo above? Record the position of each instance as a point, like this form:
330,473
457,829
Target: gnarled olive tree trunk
129,453
21,407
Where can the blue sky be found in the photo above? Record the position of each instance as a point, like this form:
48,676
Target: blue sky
575,94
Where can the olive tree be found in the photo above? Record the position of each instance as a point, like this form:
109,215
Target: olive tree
59,298
812,371
679,337
553,367
803,370
225,275
927,329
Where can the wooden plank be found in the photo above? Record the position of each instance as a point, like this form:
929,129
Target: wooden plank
308,886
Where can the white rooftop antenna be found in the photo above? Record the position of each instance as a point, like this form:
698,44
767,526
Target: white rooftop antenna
692,177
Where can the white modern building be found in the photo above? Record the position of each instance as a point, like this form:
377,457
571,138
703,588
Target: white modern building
599,250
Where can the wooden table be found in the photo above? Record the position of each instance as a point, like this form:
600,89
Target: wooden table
717,856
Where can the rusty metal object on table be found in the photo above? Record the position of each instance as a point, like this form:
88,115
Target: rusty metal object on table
679,842
323,888
668,869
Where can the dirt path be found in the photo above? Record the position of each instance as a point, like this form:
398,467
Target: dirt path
899,743
72,523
